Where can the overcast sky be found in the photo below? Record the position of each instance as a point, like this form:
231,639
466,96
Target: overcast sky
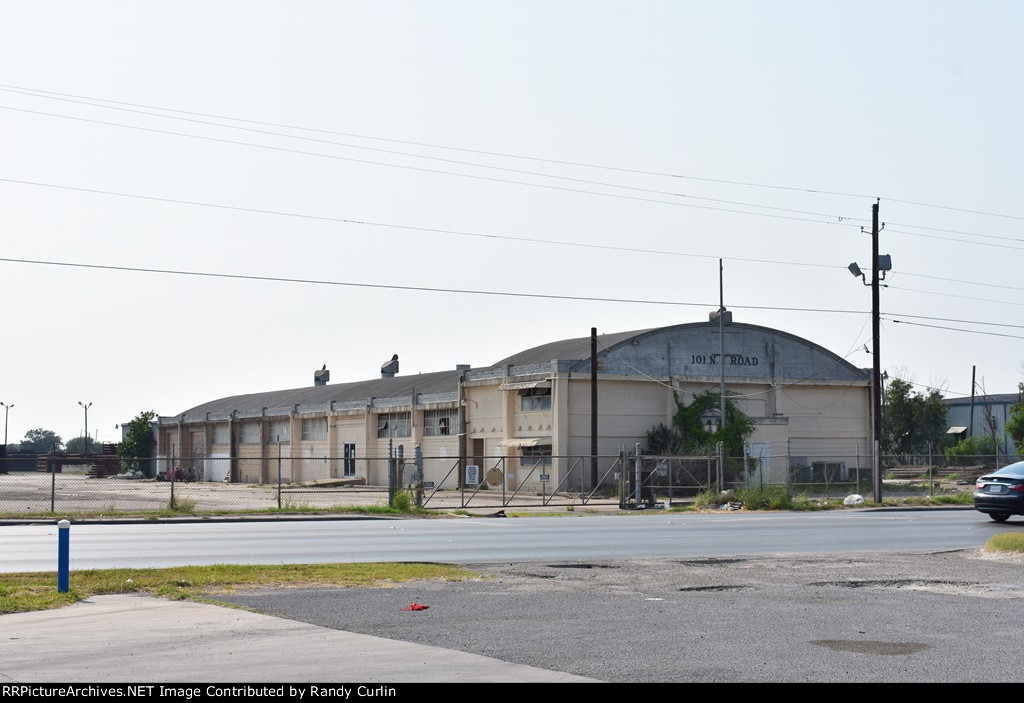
583,148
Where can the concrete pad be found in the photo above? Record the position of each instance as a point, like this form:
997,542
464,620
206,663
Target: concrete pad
139,639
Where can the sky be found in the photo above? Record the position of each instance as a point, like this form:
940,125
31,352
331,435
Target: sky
397,164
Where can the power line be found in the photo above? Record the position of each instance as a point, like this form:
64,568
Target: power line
955,231
955,209
952,239
841,220
432,230
817,191
545,296
34,92
957,329
471,164
387,286
954,295
958,280
481,235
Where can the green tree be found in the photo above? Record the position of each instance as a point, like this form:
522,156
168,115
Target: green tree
971,451
911,422
138,442
1015,422
688,435
40,441
78,445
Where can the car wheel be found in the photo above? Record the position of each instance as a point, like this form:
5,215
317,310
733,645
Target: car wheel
999,517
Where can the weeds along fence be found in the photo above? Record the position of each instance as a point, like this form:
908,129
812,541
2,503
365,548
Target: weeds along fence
819,472
289,483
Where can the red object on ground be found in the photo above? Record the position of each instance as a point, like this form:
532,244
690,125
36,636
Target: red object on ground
416,606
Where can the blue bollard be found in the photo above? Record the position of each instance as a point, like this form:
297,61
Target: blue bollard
63,554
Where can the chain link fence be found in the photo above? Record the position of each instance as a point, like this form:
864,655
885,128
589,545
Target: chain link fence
196,484
48,484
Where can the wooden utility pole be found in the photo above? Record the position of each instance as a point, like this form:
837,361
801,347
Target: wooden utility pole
593,408
877,371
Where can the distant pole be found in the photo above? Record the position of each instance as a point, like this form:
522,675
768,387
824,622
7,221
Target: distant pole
877,370
970,423
7,409
721,346
593,408
85,406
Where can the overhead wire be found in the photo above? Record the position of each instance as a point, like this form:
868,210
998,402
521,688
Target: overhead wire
70,97
563,162
840,220
432,230
480,235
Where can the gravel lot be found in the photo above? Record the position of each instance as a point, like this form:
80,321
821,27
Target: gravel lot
950,616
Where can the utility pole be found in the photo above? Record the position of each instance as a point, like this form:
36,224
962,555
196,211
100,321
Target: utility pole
86,406
7,409
721,347
593,408
877,370
970,422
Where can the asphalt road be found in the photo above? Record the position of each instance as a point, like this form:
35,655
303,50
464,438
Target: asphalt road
631,536
725,598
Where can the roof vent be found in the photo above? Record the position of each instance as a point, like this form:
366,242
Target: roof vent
462,367
389,368
726,316
321,377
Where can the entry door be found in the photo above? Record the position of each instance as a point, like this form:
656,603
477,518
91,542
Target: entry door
350,458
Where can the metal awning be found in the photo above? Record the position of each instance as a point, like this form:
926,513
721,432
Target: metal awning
524,442
956,430
524,385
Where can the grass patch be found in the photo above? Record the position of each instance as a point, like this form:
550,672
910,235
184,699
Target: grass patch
38,591
958,498
1007,542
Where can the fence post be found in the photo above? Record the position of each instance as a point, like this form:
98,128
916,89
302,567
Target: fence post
789,473
418,458
746,470
622,476
721,466
53,478
391,473
171,472
931,486
857,491
504,480
637,494
279,472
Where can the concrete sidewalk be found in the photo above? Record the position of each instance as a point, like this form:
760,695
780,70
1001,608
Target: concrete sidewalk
139,639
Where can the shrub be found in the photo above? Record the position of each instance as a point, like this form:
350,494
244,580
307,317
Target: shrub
765,498
708,498
403,502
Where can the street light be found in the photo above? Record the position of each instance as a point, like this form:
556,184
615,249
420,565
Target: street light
7,409
85,406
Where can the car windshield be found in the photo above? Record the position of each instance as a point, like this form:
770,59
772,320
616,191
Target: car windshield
1011,471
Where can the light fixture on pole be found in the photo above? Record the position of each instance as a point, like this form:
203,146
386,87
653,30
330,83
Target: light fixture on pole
7,409
85,406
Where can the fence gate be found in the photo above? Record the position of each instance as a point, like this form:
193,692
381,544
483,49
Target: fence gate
503,482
